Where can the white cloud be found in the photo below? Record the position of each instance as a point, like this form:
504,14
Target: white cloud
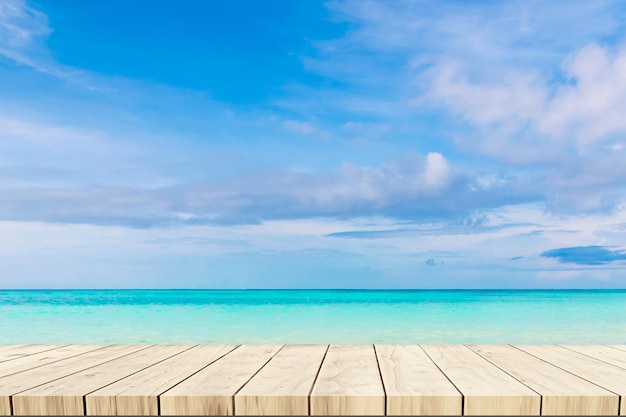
413,184
437,173
591,107
587,107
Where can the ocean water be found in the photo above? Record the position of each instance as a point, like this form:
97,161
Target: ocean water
313,316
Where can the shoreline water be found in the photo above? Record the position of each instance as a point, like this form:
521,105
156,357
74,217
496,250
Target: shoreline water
313,316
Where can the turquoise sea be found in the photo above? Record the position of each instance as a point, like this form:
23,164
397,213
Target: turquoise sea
312,316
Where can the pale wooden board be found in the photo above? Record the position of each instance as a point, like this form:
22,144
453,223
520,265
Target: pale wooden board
413,383
562,393
606,354
12,352
282,387
620,347
487,390
22,381
5,348
41,400
38,359
137,394
211,391
593,370
348,383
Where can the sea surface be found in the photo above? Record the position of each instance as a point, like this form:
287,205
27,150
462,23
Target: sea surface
312,316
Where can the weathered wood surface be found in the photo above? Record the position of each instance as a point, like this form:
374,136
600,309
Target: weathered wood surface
349,383
414,385
43,400
312,380
14,384
283,386
10,352
606,354
137,394
487,390
593,370
211,391
562,392
35,360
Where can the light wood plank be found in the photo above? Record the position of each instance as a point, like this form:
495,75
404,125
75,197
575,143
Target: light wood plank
22,381
43,401
211,391
137,395
349,383
5,348
413,383
620,347
38,359
282,387
12,352
487,390
562,393
604,353
600,373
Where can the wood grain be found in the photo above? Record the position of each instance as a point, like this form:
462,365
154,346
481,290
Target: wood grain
22,381
43,400
282,387
138,394
349,383
11,352
562,393
620,347
413,383
211,391
43,358
593,370
487,390
606,354
315,379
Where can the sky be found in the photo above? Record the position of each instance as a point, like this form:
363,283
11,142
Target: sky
312,144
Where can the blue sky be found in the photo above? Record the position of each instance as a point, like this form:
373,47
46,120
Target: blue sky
302,144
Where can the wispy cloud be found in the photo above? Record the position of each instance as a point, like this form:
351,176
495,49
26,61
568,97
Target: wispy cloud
22,31
303,128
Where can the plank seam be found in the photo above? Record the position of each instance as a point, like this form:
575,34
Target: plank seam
569,372
315,379
142,369
55,361
192,374
81,370
131,374
593,357
253,375
380,374
200,369
444,374
34,353
512,376
614,347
